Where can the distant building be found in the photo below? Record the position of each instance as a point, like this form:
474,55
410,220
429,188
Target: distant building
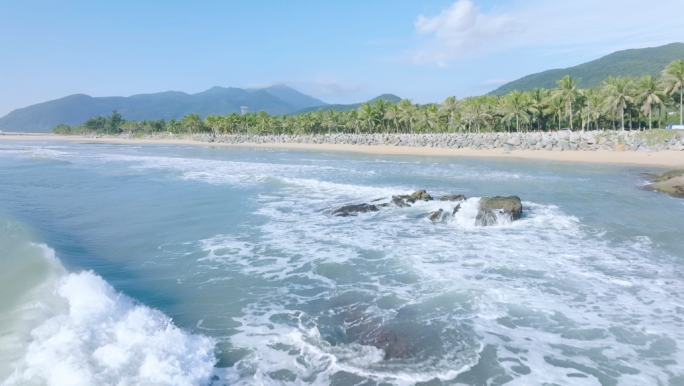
243,110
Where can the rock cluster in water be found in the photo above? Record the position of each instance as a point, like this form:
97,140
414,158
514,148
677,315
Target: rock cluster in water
671,182
490,209
558,141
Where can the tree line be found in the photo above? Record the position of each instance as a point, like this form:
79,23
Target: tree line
619,103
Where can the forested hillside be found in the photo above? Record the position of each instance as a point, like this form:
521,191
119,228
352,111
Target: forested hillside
627,63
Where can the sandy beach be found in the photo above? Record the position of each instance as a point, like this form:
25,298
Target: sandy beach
667,158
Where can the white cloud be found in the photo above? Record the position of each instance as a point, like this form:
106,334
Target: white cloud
463,27
460,30
588,27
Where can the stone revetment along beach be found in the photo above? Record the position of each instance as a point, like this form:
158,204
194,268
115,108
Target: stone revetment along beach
555,141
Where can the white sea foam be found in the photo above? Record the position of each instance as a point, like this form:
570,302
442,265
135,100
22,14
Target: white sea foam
89,334
532,284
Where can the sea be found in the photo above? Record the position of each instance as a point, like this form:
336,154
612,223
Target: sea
179,265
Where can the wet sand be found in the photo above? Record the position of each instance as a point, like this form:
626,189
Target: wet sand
667,158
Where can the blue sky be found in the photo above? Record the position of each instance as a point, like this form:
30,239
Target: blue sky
339,51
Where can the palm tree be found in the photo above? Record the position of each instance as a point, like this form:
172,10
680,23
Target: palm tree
427,117
673,80
353,121
448,109
213,122
368,116
392,115
482,112
407,113
192,122
539,102
231,122
516,105
330,119
556,108
647,93
593,101
567,91
380,107
618,92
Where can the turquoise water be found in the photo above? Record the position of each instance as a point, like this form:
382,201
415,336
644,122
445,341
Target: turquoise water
187,265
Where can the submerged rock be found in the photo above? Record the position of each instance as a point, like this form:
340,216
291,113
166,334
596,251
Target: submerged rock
491,206
400,202
671,182
353,209
436,216
452,197
456,209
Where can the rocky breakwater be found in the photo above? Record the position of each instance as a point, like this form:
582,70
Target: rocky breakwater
491,210
671,182
650,140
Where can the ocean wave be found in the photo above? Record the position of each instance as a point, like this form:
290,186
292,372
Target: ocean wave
62,328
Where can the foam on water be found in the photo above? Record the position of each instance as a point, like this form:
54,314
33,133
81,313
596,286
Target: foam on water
60,328
529,289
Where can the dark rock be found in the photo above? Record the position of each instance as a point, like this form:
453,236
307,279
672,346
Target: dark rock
353,209
456,209
418,195
452,197
490,206
435,216
398,201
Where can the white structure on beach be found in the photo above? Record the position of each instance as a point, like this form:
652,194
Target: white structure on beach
243,110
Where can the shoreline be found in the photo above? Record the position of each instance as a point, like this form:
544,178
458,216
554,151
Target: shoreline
661,158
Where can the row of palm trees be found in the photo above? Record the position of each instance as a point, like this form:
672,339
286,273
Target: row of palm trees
606,106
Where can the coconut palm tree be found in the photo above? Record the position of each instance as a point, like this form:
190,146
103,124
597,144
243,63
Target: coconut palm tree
368,116
483,111
192,122
516,105
407,113
593,100
539,102
427,118
392,115
448,109
213,122
673,80
567,91
353,121
380,107
330,119
618,93
648,95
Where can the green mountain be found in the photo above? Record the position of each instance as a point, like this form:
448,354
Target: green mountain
292,96
636,62
388,97
76,109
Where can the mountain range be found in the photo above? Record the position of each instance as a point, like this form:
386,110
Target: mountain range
634,62
76,109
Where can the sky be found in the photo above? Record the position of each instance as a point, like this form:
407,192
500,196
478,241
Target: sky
338,51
